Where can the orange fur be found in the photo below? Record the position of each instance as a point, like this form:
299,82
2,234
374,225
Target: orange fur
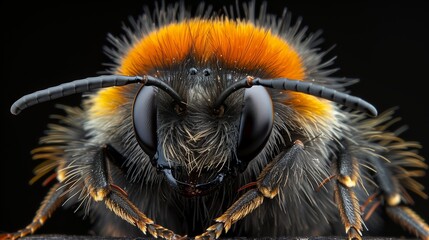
233,44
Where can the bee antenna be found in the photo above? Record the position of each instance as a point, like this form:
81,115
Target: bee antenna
88,84
302,87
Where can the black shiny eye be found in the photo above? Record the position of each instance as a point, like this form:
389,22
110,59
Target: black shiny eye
144,120
256,123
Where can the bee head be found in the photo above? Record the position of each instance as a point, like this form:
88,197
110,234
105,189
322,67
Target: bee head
203,139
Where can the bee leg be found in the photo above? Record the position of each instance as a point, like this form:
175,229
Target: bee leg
390,192
52,201
349,210
101,188
409,220
268,184
347,173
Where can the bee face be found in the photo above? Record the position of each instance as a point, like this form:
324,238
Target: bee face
197,145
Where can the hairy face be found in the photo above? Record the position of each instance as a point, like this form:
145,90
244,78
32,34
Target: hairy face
197,140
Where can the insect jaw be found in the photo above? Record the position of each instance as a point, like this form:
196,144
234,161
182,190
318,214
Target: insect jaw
194,189
195,184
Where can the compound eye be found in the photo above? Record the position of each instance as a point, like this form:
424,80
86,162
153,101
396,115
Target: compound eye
256,123
144,120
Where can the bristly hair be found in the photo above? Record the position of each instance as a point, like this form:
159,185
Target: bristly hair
58,137
198,140
294,33
399,156
62,139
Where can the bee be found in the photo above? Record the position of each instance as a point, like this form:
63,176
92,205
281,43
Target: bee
215,125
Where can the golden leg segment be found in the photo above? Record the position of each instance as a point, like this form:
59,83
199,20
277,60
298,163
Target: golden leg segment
52,201
267,187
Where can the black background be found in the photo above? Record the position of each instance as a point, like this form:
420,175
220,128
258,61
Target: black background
44,44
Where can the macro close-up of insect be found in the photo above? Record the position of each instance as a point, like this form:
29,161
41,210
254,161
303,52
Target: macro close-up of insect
213,120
